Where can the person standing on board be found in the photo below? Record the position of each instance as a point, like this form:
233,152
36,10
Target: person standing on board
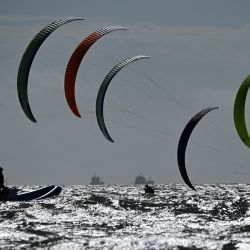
148,189
1,179
3,188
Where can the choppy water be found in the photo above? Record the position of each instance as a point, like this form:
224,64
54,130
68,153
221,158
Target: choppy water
119,217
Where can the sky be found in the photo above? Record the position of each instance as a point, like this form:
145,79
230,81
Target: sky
199,55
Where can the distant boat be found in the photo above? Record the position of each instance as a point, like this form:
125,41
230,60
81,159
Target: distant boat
140,179
96,180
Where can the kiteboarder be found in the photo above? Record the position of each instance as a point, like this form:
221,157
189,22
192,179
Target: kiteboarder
1,179
3,188
148,189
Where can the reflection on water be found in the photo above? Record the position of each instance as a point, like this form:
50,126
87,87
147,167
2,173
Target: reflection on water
121,217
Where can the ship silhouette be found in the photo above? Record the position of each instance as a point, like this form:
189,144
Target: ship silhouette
140,179
96,180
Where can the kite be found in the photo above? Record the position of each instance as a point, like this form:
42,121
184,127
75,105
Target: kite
27,59
239,112
75,61
184,141
103,89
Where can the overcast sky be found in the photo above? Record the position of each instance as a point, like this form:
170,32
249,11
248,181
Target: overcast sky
199,55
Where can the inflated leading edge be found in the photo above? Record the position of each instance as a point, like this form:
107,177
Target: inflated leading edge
27,59
181,151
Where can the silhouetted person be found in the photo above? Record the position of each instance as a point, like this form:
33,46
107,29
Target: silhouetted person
3,189
1,178
148,189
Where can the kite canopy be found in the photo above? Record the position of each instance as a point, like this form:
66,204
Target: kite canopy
27,59
239,112
102,91
181,151
75,61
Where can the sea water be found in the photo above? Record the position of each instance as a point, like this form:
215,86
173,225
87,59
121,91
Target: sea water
121,217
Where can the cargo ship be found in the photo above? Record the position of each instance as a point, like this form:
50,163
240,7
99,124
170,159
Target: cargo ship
96,180
140,179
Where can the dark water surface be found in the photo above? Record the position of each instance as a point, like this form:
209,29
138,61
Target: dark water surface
120,217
